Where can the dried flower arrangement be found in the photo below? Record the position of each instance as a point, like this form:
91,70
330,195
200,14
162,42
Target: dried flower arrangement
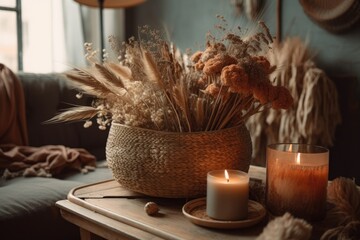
152,85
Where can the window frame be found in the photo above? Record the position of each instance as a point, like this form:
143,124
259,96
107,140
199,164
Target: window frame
19,32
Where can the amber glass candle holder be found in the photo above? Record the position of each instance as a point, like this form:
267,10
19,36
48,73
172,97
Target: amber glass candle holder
296,180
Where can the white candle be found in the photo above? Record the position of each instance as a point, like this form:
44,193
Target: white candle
297,176
227,198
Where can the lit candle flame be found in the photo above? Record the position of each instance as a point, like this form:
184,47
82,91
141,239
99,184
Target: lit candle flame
290,148
298,158
226,175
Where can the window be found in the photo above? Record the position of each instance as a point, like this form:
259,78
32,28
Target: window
43,36
31,35
48,35
11,34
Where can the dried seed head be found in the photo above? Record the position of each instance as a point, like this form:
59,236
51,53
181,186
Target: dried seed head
151,208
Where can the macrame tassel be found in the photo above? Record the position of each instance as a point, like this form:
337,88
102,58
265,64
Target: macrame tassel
286,227
345,197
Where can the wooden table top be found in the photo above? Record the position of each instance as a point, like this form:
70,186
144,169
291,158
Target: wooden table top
117,210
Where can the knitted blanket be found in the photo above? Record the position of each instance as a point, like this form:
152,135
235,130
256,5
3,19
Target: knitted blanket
44,161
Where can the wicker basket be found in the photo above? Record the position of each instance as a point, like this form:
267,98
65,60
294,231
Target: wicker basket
174,165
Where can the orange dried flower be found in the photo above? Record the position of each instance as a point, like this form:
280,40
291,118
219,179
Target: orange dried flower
214,90
209,53
202,81
284,99
196,56
235,77
261,92
215,65
199,65
263,62
279,96
273,93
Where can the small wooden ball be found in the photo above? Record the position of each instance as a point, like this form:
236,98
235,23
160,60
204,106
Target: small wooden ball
151,208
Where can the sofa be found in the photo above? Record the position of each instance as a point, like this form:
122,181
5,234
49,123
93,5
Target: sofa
27,204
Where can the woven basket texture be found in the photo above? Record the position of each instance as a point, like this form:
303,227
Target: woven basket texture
174,165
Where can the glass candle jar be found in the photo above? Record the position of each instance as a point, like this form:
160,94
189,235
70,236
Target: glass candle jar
296,180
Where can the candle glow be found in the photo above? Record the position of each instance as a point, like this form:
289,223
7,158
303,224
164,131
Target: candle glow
226,175
298,158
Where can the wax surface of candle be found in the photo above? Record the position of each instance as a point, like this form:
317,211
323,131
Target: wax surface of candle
297,183
227,199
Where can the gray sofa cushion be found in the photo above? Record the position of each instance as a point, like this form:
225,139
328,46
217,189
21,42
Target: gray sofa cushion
27,205
28,209
24,196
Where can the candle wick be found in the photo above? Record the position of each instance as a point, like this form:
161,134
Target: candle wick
227,180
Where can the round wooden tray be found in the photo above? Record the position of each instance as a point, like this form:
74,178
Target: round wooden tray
195,211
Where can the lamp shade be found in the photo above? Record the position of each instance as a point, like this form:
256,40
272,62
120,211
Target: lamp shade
111,3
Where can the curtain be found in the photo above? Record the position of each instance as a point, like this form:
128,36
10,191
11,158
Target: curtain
82,24
54,33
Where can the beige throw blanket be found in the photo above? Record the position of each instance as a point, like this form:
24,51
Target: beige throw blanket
45,161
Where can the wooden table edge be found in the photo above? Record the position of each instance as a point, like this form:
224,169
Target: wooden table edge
110,228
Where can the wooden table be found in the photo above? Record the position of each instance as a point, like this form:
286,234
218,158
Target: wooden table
110,211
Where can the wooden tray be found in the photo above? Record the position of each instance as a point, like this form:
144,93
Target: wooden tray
110,199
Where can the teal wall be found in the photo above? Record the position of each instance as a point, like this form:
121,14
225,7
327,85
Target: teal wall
188,21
